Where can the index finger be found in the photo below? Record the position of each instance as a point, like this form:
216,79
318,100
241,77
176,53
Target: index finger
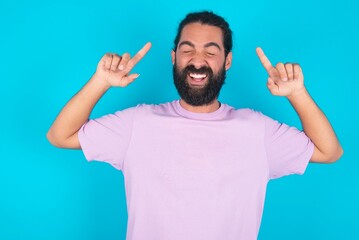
264,60
139,55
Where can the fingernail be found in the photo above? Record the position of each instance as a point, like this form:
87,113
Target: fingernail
284,79
121,67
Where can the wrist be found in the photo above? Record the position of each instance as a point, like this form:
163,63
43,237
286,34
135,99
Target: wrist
100,82
301,93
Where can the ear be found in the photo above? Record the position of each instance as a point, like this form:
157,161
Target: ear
173,55
228,61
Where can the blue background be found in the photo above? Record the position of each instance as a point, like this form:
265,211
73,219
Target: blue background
49,49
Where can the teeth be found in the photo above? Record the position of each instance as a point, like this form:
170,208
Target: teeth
195,75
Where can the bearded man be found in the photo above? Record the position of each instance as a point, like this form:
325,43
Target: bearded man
196,168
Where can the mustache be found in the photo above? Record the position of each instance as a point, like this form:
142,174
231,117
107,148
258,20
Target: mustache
201,70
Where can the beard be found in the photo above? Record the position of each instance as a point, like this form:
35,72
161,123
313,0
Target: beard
198,96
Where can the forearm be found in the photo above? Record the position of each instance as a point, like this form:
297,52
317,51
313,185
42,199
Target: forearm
63,132
317,128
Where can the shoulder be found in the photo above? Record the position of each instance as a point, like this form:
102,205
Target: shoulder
144,109
246,114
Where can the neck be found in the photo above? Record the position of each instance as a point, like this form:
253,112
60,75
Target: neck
211,107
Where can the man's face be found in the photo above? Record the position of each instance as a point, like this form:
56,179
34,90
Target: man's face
199,64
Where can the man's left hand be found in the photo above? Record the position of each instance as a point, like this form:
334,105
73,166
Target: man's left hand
284,79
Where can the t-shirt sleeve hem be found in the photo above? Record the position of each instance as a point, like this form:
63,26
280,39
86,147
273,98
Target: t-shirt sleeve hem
308,155
83,143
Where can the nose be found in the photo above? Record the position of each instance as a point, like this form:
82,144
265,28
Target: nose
198,60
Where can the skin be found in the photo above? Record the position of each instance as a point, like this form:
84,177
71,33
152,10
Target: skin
112,71
200,45
288,80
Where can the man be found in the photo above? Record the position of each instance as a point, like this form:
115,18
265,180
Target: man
196,168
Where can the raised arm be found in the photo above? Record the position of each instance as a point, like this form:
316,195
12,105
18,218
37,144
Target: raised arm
288,80
112,70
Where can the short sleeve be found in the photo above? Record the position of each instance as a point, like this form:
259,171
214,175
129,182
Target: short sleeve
107,138
288,149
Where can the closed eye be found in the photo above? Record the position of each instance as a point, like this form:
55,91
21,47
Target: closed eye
187,51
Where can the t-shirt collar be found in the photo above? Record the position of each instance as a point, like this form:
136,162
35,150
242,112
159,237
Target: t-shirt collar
199,116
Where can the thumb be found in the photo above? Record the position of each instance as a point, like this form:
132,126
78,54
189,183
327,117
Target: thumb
129,79
273,88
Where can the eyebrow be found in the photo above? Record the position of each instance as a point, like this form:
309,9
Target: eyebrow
210,44
185,43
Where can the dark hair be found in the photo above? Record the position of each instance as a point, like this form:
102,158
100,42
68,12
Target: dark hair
208,18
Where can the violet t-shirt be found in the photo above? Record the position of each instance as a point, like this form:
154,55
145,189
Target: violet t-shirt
195,175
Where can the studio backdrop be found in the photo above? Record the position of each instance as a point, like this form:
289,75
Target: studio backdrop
50,49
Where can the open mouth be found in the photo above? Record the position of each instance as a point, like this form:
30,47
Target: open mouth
197,78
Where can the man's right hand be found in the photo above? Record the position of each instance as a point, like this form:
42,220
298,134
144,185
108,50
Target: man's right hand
114,70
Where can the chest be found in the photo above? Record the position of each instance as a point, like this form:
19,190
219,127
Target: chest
183,153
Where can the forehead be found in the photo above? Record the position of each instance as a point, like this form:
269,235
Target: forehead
198,33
